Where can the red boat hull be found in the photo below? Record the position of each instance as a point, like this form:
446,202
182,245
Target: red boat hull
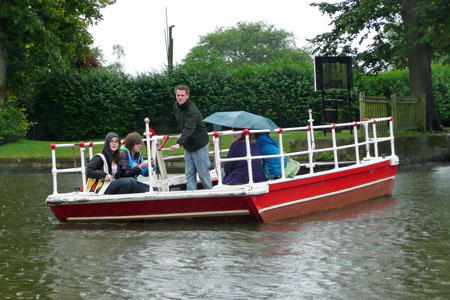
285,199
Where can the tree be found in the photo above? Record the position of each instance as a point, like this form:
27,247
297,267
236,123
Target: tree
38,36
253,43
404,33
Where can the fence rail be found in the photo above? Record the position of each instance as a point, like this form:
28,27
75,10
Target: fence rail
408,112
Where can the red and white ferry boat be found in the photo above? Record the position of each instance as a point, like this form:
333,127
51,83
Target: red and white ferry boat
311,190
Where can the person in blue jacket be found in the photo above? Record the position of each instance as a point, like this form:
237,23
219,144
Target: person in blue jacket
268,146
236,172
132,162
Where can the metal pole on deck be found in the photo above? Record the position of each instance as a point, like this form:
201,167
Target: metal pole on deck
375,142
216,142
311,123
54,170
246,132
147,140
391,129
333,136
83,169
280,139
366,133
355,134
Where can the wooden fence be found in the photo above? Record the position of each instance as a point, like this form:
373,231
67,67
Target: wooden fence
408,113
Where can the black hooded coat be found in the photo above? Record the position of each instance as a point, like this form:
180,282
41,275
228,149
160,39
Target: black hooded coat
95,168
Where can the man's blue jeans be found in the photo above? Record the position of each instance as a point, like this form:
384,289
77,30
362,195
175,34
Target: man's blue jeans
197,162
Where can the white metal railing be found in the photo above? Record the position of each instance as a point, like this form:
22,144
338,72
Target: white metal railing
82,169
311,147
153,141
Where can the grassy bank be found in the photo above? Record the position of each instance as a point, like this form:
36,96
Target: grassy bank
41,149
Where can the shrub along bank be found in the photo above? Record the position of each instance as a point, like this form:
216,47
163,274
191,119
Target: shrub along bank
77,105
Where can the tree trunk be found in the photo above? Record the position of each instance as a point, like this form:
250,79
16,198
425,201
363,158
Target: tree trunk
419,62
2,66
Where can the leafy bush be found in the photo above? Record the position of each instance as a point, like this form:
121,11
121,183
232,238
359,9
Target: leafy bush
79,105
88,104
13,124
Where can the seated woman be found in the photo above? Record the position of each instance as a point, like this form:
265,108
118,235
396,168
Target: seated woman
132,162
107,165
236,172
268,146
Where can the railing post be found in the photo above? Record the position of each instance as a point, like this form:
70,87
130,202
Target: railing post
333,136
366,133
391,133
394,111
54,170
310,151
149,156
311,123
246,132
355,135
280,142
91,144
375,142
216,142
83,166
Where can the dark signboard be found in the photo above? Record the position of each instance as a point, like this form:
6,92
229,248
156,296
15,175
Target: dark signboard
333,72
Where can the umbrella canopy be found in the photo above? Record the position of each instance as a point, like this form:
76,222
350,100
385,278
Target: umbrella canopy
240,119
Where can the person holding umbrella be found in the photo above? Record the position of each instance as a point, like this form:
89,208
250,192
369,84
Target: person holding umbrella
193,137
236,172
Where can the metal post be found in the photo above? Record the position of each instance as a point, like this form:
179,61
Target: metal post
311,123
246,132
54,170
280,140
83,168
170,52
355,134
366,133
333,136
90,150
149,157
391,130
216,142
310,151
375,142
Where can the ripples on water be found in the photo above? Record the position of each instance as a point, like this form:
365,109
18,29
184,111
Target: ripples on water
388,248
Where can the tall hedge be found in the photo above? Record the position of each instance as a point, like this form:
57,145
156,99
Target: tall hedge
88,104
78,105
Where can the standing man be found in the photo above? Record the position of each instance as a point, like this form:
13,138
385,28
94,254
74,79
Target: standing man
193,137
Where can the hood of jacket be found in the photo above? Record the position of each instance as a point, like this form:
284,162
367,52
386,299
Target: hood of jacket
267,139
106,149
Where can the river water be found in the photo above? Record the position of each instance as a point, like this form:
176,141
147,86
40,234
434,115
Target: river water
388,248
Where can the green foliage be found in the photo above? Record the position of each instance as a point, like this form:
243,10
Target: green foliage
13,124
87,104
383,22
247,43
39,36
78,105
385,84
397,81
441,92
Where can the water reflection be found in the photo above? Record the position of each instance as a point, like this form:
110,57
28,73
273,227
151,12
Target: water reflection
387,248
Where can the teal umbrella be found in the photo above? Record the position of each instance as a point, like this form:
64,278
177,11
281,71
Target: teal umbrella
240,119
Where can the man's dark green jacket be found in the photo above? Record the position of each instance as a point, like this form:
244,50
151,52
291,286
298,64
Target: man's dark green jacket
193,132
